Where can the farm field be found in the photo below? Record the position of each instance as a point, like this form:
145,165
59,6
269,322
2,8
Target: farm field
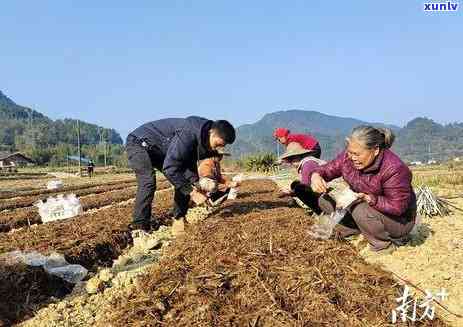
9,185
249,263
92,239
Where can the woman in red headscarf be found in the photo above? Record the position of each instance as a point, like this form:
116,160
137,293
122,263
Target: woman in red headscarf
307,141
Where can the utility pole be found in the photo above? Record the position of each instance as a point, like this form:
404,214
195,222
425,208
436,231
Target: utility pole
105,150
429,146
78,148
31,137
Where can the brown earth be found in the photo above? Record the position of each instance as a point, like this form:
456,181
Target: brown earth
252,264
26,201
15,186
24,217
91,240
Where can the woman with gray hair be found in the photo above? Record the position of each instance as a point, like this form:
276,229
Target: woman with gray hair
386,210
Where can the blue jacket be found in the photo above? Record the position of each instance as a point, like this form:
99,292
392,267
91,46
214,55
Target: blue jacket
180,142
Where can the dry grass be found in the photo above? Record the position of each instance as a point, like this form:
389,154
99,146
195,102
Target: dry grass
255,266
434,178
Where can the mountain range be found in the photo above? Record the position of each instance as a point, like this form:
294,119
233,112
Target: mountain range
21,126
421,139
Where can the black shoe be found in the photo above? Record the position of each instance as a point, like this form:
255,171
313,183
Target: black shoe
145,226
155,224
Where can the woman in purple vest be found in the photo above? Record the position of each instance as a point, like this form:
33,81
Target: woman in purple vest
387,210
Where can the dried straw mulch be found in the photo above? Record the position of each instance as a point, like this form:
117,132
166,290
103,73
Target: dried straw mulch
256,266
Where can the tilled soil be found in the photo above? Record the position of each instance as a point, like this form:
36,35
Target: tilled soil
249,264
23,177
26,201
91,240
86,303
88,239
41,191
252,264
19,187
24,217
19,294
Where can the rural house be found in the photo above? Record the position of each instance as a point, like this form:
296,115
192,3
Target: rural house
15,159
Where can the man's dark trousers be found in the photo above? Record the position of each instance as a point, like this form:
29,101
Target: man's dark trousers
143,161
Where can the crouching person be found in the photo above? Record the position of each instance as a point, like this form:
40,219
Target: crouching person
211,181
387,210
305,163
173,146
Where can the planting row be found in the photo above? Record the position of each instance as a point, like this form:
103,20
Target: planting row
19,177
27,201
29,216
254,265
83,238
91,240
35,191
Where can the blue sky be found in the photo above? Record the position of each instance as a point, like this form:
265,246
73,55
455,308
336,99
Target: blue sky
121,63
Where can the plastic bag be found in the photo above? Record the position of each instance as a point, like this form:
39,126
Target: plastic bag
55,260
323,229
233,193
34,259
70,273
344,197
55,264
55,185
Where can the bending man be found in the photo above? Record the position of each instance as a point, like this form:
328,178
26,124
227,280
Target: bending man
173,146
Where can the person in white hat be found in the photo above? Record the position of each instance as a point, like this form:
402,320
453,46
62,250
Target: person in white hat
305,163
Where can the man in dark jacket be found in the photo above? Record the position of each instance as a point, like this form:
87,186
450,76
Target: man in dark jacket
173,146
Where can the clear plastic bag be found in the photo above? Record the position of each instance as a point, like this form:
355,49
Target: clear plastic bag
232,195
344,197
238,178
55,185
34,259
55,260
70,273
323,229
55,264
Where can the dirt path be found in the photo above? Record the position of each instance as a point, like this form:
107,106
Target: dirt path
433,260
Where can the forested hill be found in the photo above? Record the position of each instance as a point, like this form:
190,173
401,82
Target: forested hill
421,139
22,126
